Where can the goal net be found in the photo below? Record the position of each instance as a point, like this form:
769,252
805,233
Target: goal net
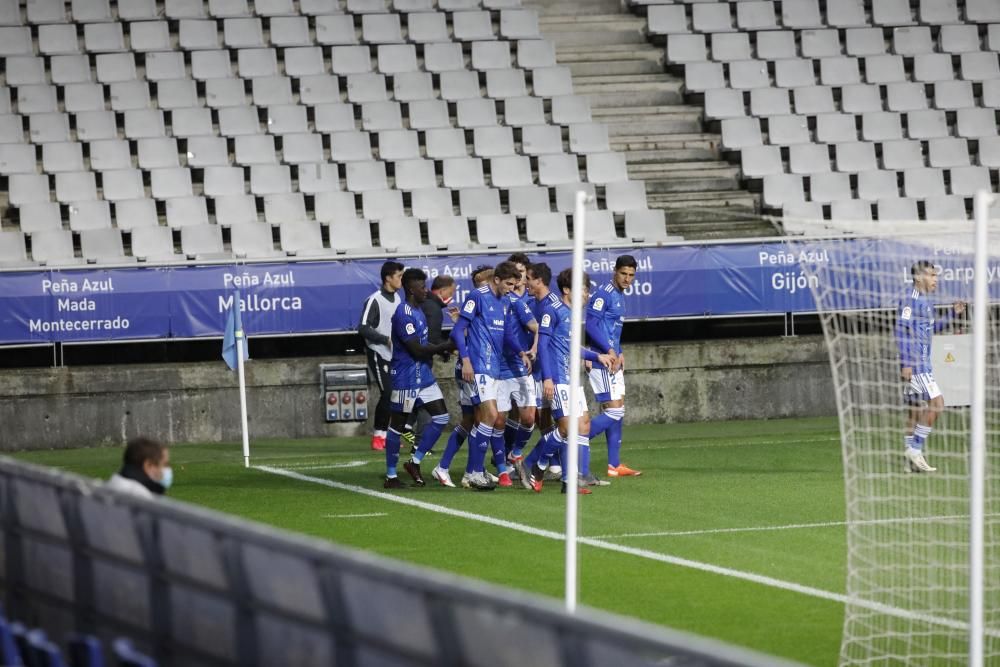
908,530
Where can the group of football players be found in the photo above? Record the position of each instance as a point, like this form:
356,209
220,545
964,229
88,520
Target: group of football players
512,335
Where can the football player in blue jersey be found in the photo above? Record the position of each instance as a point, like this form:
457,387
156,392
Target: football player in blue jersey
554,357
484,317
915,327
517,397
412,378
481,275
605,318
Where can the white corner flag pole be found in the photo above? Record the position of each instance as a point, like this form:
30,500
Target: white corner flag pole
243,396
977,445
575,399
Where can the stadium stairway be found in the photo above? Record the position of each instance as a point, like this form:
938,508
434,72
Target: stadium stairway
664,138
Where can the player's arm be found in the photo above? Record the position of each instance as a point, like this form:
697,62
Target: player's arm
511,342
426,352
942,323
404,328
906,340
368,327
458,338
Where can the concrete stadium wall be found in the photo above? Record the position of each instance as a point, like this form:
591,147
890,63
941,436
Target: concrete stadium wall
198,402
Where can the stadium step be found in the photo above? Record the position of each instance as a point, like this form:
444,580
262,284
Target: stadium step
664,137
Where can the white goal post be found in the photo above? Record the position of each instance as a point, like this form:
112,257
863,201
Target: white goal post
923,565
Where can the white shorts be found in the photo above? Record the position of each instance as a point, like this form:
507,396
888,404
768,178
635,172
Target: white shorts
922,386
539,392
607,386
466,390
487,388
561,405
408,400
519,390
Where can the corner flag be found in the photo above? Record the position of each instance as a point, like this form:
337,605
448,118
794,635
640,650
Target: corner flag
234,352
234,331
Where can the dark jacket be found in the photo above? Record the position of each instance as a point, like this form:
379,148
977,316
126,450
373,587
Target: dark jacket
433,308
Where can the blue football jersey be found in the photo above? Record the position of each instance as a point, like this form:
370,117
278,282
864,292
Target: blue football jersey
606,309
405,371
914,329
519,316
554,333
487,316
538,310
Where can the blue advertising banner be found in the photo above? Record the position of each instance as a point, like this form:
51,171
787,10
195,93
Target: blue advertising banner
316,297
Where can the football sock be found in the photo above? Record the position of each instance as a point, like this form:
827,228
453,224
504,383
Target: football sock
510,433
479,444
455,440
429,437
583,446
391,452
499,450
614,435
908,441
523,435
920,435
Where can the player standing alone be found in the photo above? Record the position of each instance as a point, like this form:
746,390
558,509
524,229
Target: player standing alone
376,329
915,326
605,319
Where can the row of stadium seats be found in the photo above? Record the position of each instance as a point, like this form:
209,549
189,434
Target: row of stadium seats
20,645
751,14
879,108
294,31
325,206
40,12
256,240
232,113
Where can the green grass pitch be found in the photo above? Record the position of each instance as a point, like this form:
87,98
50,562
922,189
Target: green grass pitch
737,495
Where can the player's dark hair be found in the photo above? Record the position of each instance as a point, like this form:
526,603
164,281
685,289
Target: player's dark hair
411,276
142,449
920,267
626,260
541,271
506,271
479,274
441,281
565,279
390,268
519,258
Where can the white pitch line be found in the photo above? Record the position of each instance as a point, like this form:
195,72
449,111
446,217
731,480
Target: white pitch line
789,526
355,516
327,466
641,553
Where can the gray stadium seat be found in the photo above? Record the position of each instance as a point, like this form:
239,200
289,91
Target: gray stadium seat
28,189
103,245
382,204
975,123
495,230
470,26
195,34
979,66
556,169
759,161
28,71
54,248
875,185
443,57
188,122
302,148
186,211
415,174
366,176
646,226
411,86
459,85
952,95
892,13
902,154
493,141
780,189
566,196
927,124
39,216
366,87
864,42
982,11
243,33
136,10
350,146
528,199
171,182
727,47
336,117
855,157
289,31
625,196
220,181
967,181
17,159
535,53
809,159
505,83
49,127
13,253
945,208
431,203
203,242
704,76
829,187
748,74
253,240
907,96
948,152
134,214
426,27
853,210
142,123
15,41
257,62
53,40
475,202
397,58
741,132
450,233
519,24
350,236
254,149
912,41
77,186
377,116
724,103
802,14
287,119
58,157
429,114
896,210
89,215
104,37
314,178
861,98
775,44
839,71
769,102
168,65
546,228
269,179
398,145
930,67
881,126
797,73
235,209
446,143
303,239
551,81
477,112
958,38
238,121
836,128
989,152
175,94
209,64
158,153
464,172
923,182
510,171
400,234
